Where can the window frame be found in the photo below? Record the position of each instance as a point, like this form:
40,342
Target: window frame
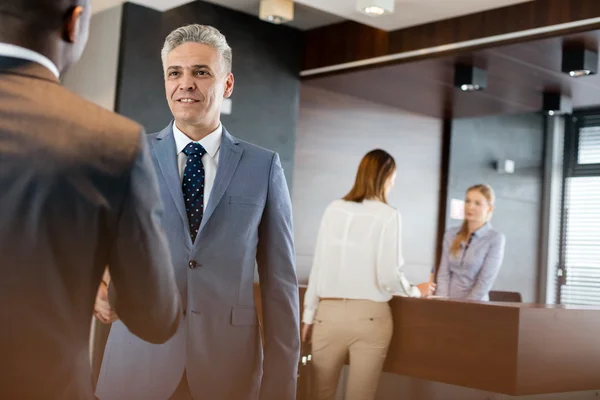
573,169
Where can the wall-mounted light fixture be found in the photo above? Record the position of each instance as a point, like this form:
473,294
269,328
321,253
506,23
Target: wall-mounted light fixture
469,78
276,11
557,104
577,61
375,8
505,166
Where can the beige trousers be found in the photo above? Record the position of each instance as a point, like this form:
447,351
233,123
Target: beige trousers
360,329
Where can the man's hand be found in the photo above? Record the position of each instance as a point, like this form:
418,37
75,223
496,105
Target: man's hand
102,309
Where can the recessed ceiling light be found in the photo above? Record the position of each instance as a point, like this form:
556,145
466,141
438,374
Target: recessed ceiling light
470,88
276,11
581,72
375,8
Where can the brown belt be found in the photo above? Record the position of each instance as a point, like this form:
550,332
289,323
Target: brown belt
333,298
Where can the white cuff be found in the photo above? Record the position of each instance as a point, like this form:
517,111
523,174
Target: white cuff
308,316
415,292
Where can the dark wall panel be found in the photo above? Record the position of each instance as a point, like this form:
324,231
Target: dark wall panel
266,65
476,144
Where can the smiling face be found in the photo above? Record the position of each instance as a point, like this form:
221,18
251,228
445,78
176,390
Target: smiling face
196,81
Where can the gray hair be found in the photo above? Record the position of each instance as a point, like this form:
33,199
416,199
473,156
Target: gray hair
196,33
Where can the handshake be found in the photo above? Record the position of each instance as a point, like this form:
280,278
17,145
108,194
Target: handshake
102,308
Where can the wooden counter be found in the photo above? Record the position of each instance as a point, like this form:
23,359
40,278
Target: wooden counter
509,348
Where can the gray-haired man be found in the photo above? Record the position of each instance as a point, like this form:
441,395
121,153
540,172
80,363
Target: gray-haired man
227,208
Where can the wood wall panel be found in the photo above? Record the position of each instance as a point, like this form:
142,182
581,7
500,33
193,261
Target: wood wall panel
518,74
335,45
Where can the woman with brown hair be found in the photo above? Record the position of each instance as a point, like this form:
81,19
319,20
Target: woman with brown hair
472,254
356,270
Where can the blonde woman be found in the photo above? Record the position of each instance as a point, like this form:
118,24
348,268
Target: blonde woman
472,254
356,269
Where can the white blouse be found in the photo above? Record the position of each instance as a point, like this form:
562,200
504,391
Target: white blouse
358,255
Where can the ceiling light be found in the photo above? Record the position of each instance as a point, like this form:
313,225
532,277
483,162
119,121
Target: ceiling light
276,11
579,73
375,8
469,88
557,104
469,78
577,61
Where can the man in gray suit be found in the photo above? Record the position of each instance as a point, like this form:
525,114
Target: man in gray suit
78,192
227,208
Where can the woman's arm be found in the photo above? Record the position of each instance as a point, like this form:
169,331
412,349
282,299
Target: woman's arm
489,271
390,261
311,297
443,274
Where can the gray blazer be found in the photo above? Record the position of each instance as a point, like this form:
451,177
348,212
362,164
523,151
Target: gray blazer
78,192
248,221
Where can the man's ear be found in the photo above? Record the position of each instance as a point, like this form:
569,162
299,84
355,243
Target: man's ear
228,86
72,24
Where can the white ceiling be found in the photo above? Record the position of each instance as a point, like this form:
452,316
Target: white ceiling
408,12
313,13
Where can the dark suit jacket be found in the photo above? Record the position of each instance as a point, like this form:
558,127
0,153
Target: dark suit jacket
77,192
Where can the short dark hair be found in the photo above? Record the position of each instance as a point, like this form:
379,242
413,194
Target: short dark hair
47,14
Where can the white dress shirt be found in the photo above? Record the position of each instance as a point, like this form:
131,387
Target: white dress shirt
358,256
14,51
210,161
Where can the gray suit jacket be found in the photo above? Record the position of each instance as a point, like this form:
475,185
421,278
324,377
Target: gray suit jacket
77,192
248,221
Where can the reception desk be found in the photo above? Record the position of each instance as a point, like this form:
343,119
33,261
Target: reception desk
509,348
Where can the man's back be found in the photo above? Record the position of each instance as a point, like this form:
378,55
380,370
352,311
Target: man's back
71,189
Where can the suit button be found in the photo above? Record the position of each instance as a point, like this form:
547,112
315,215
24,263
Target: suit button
192,264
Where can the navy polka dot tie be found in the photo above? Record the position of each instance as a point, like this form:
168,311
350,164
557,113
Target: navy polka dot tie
193,186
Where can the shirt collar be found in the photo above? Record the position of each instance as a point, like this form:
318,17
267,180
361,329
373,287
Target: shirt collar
211,142
481,231
14,51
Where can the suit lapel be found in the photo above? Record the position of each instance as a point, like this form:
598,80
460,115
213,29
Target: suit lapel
166,154
229,157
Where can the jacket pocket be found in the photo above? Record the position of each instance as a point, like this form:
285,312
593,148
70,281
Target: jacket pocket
244,316
246,201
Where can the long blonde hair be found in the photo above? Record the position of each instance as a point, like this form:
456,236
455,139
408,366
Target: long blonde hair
463,233
374,170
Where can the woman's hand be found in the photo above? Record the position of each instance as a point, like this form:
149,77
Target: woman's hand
306,332
426,288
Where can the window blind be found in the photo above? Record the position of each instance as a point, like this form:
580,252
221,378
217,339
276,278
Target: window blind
580,283
582,245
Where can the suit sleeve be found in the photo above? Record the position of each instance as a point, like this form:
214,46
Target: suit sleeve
143,289
279,291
